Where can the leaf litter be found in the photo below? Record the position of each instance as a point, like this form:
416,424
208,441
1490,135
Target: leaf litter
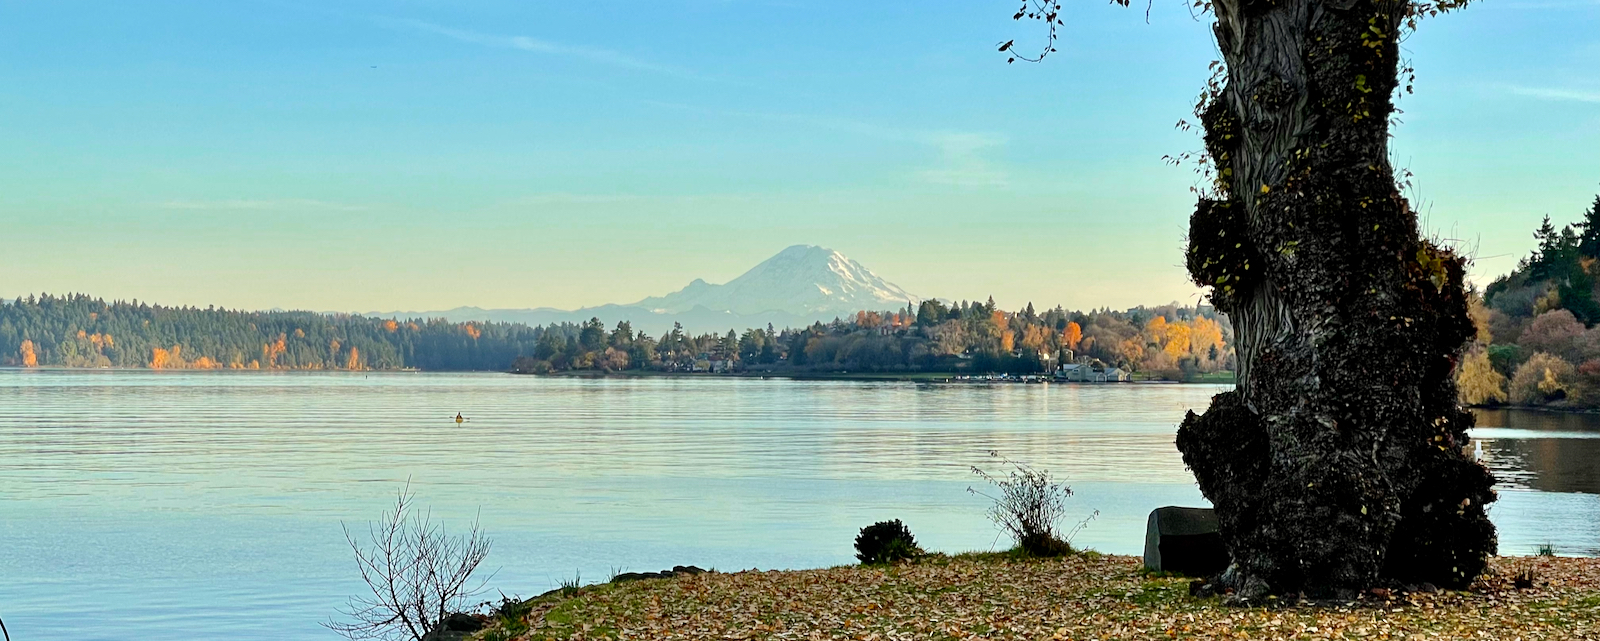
1077,597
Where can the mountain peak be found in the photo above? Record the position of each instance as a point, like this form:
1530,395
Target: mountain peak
805,250
802,279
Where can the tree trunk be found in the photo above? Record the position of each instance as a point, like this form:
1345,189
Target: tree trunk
1337,464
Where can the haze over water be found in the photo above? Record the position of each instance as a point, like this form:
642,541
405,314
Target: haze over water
184,505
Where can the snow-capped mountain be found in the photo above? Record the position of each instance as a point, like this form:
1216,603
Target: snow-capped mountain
803,280
798,286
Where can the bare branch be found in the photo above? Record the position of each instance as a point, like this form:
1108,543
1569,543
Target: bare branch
418,574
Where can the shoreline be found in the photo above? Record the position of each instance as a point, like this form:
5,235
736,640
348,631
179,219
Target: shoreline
1080,596
908,377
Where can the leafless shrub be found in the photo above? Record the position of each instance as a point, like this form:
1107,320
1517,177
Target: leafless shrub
1526,577
1029,507
418,574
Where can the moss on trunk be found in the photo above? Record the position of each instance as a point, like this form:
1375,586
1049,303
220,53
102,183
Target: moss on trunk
1337,463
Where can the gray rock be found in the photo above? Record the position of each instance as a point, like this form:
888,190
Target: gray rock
455,627
1184,540
676,570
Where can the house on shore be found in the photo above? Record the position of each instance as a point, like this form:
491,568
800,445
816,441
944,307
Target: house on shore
1091,373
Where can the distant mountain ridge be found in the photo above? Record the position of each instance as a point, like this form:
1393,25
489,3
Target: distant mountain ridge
802,280
800,285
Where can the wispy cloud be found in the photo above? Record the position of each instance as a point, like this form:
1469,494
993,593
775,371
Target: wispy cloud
961,154
538,45
842,125
258,205
964,163
1556,93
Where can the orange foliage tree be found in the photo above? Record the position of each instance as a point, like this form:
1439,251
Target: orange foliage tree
1072,335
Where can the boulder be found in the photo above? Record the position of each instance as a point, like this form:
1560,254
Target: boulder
1184,540
676,570
455,627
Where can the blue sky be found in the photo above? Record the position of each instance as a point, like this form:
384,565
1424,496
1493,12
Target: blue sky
424,154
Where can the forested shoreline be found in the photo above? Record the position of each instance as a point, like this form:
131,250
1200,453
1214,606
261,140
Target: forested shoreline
963,337
77,330
1538,338
80,331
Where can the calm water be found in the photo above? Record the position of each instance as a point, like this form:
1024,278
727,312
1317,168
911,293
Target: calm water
167,505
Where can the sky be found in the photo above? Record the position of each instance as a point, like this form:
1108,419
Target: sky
424,154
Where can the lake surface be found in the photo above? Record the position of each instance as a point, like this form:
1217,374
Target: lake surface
187,505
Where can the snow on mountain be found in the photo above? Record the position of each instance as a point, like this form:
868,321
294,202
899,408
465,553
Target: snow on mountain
800,285
804,280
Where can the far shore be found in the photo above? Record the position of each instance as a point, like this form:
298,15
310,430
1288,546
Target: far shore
915,377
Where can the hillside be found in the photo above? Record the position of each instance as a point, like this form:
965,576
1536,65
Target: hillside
1538,340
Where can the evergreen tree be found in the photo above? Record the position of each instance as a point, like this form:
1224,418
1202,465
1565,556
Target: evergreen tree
1589,240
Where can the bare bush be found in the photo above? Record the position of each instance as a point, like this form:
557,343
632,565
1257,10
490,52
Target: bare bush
418,574
1030,507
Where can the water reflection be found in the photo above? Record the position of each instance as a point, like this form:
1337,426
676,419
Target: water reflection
157,491
1545,451
1548,466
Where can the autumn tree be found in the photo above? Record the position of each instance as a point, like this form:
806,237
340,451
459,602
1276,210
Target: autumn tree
1544,378
1071,335
29,357
1478,381
1337,461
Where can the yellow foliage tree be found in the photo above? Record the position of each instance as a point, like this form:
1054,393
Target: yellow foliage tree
29,358
1204,334
271,351
1478,382
1175,341
1034,337
1131,350
167,358
1480,317
1543,379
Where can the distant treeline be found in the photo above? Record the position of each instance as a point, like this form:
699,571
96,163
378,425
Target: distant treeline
1171,342
80,331
1539,326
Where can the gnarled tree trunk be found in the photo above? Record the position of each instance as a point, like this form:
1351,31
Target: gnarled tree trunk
1337,464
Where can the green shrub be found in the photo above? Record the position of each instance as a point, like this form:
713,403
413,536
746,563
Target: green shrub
885,542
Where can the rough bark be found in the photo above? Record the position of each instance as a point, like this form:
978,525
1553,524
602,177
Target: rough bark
1337,463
